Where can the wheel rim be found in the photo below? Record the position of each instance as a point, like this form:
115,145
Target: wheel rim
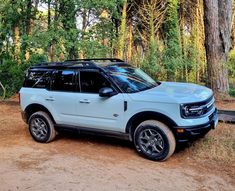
151,142
39,128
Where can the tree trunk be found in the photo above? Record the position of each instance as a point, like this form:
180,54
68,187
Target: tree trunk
130,39
16,42
122,35
50,48
48,14
4,90
28,27
183,45
217,21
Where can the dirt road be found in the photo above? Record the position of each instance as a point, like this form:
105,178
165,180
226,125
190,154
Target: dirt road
82,162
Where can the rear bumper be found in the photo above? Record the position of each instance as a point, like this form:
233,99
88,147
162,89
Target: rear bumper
183,134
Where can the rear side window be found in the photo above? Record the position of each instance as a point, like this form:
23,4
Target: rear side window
63,81
37,79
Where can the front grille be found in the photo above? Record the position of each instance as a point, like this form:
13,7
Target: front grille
208,106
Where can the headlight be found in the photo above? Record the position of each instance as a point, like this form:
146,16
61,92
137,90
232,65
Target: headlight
189,111
197,109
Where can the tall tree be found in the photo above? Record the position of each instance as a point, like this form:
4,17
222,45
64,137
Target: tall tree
122,31
173,52
68,19
16,30
151,17
28,24
217,21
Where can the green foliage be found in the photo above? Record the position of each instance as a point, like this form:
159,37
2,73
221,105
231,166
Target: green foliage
12,76
191,60
232,92
93,49
151,62
231,63
172,53
231,70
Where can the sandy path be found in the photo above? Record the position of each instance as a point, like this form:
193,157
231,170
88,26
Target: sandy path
83,162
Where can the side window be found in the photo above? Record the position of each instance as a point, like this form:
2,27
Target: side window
63,81
92,82
37,79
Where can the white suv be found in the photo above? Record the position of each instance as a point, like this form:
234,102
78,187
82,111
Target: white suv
113,98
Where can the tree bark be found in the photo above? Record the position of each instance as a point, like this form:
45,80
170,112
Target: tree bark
28,27
122,35
48,14
130,40
4,90
16,42
217,21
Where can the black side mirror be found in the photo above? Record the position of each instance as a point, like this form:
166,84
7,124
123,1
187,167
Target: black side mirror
106,92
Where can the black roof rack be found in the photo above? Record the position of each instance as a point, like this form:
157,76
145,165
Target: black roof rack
97,59
88,63
65,64
48,64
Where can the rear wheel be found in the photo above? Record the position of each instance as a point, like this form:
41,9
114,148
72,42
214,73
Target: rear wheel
154,140
41,127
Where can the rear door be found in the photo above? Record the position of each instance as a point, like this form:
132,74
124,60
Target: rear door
62,96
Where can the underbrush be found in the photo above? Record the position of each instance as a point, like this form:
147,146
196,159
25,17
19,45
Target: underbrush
232,92
217,146
11,77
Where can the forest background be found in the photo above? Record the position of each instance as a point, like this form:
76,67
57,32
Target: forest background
173,40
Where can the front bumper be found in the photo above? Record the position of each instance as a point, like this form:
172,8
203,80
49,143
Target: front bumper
183,134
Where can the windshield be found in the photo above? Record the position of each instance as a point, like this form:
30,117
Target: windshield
131,79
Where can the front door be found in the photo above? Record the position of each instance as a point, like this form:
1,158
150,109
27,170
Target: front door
98,112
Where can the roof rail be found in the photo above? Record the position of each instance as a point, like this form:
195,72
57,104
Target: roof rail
77,62
66,63
97,59
48,64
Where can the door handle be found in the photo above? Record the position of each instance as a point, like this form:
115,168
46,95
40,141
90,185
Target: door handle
50,99
84,101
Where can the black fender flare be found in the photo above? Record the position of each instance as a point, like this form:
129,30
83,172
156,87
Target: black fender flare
34,107
136,119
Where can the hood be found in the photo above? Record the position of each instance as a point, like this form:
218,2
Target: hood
174,92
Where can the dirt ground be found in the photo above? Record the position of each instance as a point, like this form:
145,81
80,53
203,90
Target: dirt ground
84,162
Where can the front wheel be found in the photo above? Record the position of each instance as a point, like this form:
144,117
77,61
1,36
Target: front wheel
41,127
154,140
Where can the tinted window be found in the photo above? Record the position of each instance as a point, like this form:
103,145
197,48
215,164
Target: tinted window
92,82
131,79
37,79
63,81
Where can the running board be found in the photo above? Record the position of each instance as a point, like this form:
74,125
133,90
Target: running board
92,131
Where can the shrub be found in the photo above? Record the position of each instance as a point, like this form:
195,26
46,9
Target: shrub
12,76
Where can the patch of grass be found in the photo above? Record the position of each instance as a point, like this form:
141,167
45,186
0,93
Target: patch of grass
232,92
217,146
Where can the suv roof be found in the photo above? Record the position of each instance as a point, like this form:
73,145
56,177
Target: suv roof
93,63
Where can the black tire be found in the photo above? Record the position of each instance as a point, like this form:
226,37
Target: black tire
41,127
154,140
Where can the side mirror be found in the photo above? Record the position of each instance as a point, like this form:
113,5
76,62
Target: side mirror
106,92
